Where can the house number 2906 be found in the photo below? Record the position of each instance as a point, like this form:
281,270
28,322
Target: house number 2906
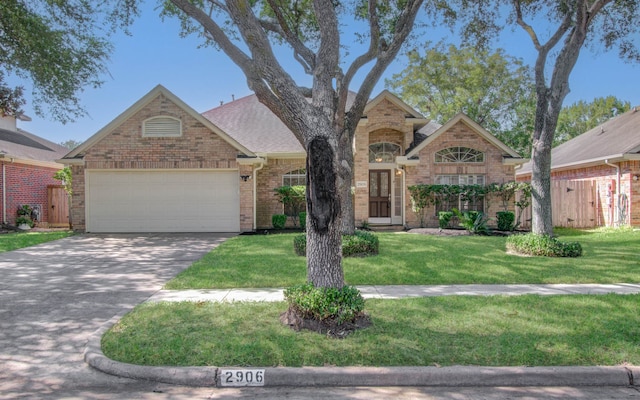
241,377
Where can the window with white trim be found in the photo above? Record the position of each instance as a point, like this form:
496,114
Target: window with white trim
162,126
446,204
459,155
294,178
384,152
297,177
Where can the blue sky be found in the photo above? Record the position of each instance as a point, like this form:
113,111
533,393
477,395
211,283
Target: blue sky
155,54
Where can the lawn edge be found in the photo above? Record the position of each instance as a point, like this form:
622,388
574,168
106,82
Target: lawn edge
454,376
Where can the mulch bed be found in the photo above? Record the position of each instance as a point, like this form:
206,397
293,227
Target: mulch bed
329,327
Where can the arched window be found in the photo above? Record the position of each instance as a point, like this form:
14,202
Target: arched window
162,126
459,155
294,178
383,152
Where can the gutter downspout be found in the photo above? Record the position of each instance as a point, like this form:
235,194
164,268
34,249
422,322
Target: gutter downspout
404,218
617,209
255,193
4,194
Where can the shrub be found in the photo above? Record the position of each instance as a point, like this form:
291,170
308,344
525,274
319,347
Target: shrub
23,219
278,221
473,221
300,244
444,217
360,244
506,220
543,245
342,305
303,220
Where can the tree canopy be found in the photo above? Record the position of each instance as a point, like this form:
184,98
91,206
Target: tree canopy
60,47
492,88
319,115
558,31
582,116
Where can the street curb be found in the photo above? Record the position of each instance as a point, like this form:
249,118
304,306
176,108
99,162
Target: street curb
455,376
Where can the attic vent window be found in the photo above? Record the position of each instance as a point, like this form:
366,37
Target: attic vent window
459,155
163,126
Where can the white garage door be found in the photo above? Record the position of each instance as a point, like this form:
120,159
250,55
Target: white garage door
162,201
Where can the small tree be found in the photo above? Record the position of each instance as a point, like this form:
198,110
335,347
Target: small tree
65,177
422,196
294,200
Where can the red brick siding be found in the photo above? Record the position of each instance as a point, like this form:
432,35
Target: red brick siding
26,184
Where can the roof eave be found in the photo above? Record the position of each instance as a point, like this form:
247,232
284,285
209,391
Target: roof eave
514,161
613,158
4,157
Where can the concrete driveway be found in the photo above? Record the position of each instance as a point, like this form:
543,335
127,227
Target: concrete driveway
53,296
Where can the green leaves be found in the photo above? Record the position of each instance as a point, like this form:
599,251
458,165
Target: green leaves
320,304
61,46
488,87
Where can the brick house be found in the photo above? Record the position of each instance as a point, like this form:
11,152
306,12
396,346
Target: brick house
27,164
596,176
161,166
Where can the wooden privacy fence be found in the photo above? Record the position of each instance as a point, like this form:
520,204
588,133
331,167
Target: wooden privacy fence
574,204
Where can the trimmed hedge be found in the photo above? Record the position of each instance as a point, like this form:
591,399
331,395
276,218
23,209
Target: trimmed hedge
543,245
360,244
320,304
279,221
505,220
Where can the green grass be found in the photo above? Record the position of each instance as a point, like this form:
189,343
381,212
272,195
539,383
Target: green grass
18,240
610,256
493,331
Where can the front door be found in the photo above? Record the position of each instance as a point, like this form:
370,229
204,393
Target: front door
380,196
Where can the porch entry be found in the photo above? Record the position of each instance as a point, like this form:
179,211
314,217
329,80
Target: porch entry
385,197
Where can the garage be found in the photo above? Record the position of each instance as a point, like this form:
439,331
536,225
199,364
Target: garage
162,201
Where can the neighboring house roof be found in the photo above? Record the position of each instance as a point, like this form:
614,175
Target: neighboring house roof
461,117
255,126
615,140
149,97
26,147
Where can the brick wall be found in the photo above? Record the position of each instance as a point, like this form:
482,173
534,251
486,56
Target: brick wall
460,135
269,178
125,148
26,184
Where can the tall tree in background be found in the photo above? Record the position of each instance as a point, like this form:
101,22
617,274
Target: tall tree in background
60,47
562,28
490,87
581,116
11,99
318,114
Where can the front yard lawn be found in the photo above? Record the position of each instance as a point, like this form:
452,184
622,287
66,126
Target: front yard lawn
411,259
526,330
18,240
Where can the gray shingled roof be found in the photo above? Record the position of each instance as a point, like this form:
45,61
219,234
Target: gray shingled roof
27,146
614,138
254,126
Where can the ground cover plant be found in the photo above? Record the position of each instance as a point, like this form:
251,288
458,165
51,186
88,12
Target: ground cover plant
609,256
526,330
18,240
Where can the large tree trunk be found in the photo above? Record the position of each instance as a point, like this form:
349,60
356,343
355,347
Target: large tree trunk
324,228
346,184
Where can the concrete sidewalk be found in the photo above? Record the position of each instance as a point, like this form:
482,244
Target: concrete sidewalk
401,291
455,376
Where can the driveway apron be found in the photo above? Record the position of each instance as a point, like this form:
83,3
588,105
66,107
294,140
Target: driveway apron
55,295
